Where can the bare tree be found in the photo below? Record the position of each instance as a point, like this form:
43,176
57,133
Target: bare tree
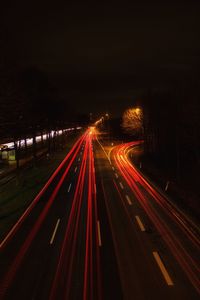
132,121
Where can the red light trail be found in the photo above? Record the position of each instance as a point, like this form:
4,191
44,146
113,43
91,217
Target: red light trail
85,183
76,147
135,181
75,247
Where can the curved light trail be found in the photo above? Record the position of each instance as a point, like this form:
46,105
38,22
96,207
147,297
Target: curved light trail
138,184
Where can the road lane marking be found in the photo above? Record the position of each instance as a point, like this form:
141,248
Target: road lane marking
162,268
99,233
167,185
69,188
140,223
79,159
121,185
104,151
128,200
116,175
54,232
109,153
113,168
21,219
75,170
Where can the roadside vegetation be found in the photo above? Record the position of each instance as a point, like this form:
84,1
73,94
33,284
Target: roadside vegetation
17,194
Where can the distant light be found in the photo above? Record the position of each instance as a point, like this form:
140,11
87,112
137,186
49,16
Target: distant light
38,138
9,145
137,110
29,141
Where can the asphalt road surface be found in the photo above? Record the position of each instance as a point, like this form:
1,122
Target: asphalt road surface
99,230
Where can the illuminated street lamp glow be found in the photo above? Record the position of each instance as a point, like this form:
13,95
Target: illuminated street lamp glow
137,110
38,138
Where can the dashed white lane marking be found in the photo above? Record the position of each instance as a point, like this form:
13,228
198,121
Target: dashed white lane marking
128,200
79,159
75,170
54,232
116,175
162,268
99,233
69,188
167,185
142,228
113,168
121,185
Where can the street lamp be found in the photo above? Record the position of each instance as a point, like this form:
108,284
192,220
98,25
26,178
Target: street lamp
137,110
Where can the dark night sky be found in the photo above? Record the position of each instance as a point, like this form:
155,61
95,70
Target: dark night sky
103,55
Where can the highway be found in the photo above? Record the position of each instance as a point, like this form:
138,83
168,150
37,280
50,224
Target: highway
99,230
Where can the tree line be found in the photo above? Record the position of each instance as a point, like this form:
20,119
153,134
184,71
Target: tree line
168,120
171,126
30,105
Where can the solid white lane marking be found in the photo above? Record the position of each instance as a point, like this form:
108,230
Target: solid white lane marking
75,170
54,232
104,151
163,269
99,233
128,200
140,223
69,188
121,185
116,175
